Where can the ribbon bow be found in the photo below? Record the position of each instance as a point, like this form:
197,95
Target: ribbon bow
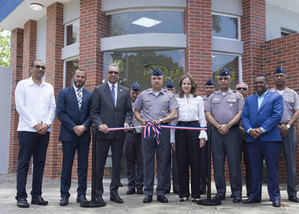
155,128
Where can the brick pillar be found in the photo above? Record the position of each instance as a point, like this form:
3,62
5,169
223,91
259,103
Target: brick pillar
94,25
16,61
198,30
54,75
253,31
29,50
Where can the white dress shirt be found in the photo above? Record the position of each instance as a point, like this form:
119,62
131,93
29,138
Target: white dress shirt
115,88
191,109
35,104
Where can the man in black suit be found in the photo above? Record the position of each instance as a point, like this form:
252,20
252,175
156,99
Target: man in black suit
110,107
73,111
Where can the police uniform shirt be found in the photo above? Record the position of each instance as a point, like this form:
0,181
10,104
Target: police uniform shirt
155,106
290,103
224,106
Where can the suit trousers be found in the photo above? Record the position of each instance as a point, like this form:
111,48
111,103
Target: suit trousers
227,145
150,148
172,171
257,151
188,155
289,145
103,146
35,145
248,176
69,149
134,160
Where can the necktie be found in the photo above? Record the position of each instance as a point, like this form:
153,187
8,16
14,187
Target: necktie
79,98
113,93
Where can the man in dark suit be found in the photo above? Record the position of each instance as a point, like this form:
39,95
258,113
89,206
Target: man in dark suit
261,114
110,107
73,104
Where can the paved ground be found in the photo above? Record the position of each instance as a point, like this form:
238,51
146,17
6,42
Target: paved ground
132,204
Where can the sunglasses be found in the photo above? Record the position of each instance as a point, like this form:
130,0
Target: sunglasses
40,66
242,88
113,72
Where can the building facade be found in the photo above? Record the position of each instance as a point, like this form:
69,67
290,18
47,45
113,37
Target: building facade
198,37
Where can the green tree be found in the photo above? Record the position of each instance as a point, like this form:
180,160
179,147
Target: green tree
4,49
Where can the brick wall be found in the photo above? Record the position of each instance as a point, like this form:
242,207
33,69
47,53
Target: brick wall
16,59
198,30
54,75
253,35
29,50
284,52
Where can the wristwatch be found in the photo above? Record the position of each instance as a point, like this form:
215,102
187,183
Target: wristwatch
288,126
229,125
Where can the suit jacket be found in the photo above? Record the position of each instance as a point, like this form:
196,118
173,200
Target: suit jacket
103,110
267,116
70,115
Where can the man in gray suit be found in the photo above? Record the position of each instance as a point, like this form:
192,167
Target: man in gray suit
110,107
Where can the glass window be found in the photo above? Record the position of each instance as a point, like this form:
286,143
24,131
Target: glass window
225,26
70,68
138,66
286,31
147,22
72,33
230,62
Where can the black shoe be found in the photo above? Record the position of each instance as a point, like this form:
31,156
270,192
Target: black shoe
195,200
81,199
276,203
237,199
100,200
162,199
251,201
148,199
39,201
140,191
116,199
131,191
64,201
22,203
293,198
167,191
219,198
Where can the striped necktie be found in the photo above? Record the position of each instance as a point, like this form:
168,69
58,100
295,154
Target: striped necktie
79,97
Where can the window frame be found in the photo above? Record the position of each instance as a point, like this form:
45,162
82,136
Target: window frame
65,31
238,25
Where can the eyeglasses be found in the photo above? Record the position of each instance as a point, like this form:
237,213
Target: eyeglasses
113,72
241,88
40,66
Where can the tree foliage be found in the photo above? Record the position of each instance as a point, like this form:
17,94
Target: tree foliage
4,49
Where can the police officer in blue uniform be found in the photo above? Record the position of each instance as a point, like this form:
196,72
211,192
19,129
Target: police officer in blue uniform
132,150
171,164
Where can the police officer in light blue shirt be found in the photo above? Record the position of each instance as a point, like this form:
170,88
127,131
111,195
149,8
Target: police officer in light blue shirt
223,112
158,106
132,150
287,128
172,164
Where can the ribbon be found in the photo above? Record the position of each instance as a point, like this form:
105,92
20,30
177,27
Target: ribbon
156,129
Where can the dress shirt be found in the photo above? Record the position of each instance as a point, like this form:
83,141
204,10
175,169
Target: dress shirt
115,88
260,100
191,109
35,104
